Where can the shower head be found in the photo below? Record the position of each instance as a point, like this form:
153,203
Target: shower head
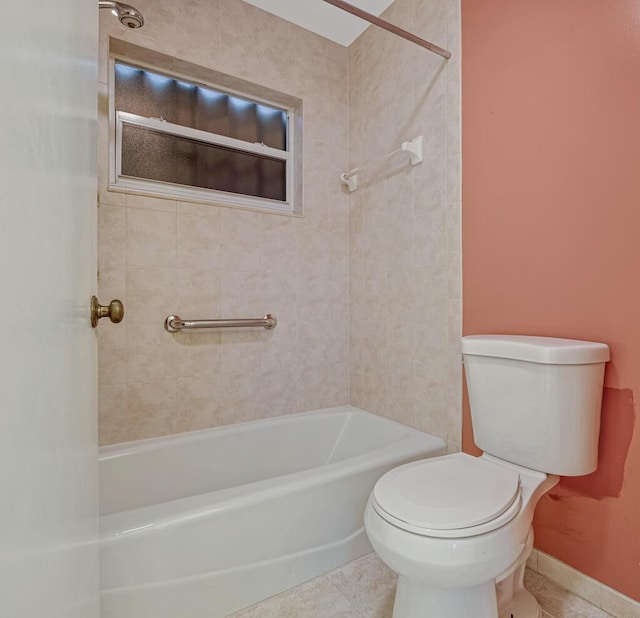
128,15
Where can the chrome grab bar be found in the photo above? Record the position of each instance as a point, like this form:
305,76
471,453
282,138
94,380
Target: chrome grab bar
174,323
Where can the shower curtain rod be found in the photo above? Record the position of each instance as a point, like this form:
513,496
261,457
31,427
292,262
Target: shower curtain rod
385,25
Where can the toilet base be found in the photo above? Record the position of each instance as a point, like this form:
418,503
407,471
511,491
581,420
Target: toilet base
506,598
514,600
523,605
416,601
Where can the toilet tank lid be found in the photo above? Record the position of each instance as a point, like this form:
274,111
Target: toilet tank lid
545,350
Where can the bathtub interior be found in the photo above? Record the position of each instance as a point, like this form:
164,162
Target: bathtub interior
159,470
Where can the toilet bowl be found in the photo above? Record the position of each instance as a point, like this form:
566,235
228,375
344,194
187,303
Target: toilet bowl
458,529
449,542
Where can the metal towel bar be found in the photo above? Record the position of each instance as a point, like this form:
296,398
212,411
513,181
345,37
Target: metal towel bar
174,323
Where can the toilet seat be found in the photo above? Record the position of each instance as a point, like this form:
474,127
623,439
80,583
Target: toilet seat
448,497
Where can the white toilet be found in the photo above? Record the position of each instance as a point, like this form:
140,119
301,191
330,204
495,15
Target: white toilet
457,529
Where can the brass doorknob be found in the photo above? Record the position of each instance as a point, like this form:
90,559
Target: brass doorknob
114,311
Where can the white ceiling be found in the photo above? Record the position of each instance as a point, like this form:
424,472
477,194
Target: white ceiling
322,18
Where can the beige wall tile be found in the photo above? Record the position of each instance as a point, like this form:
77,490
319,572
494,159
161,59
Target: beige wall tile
198,31
243,294
356,334
112,283
150,203
151,353
199,242
112,356
430,290
279,295
404,238
282,350
400,346
400,393
112,230
374,397
239,24
142,281
314,256
151,238
161,21
113,422
337,384
199,354
280,245
151,410
404,298
278,50
401,233
374,344
454,272
430,407
312,388
431,184
241,397
454,226
199,210
313,341
356,386
454,186
242,351
242,242
151,295
199,403
429,241
455,321
375,294
358,278
279,392
199,293
431,20
315,299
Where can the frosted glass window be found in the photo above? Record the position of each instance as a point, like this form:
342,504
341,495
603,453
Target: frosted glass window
174,159
189,136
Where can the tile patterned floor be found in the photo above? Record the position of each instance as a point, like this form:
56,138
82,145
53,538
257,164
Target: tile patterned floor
364,589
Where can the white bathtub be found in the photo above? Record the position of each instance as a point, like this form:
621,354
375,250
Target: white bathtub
205,523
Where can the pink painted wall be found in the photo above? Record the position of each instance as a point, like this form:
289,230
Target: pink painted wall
551,231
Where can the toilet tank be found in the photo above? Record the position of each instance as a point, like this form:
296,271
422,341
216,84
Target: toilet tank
535,401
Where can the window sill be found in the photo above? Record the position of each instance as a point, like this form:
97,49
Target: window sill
228,202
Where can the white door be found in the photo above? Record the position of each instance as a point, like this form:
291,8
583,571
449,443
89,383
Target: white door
48,418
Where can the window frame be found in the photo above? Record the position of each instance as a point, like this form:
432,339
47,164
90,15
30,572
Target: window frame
128,184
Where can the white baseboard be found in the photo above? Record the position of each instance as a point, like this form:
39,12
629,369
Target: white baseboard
591,590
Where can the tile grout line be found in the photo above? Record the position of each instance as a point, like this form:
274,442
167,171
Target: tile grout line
342,594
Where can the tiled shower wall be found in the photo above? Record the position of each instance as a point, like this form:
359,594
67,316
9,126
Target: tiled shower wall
387,257
164,257
404,232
